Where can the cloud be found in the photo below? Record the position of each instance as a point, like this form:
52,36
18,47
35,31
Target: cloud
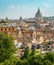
46,5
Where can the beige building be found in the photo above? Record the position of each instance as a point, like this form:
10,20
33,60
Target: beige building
26,31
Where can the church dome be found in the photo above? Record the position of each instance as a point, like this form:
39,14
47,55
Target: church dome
38,14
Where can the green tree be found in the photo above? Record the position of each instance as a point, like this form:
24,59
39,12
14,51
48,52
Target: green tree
33,52
1,63
34,61
7,47
12,61
26,52
49,56
24,62
47,62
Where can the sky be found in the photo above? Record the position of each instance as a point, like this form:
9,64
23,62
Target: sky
13,9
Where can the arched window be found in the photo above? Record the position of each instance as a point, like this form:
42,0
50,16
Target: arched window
1,29
13,29
9,29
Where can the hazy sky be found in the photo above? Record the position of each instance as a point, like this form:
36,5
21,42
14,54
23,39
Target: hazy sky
25,8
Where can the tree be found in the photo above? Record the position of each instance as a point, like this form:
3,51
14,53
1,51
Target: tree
49,56
26,52
1,63
12,61
34,61
47,62
24,62
33,52
7,47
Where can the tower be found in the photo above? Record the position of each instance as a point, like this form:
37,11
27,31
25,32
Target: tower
21,21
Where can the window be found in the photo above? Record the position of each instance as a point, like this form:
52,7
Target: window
1,29
9,29
13,29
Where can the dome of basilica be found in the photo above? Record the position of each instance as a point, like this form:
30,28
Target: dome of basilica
38,14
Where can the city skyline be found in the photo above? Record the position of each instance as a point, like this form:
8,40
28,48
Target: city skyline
26,8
